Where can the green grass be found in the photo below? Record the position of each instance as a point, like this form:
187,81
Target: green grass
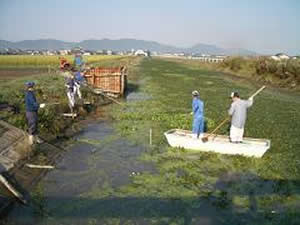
243,187
48,89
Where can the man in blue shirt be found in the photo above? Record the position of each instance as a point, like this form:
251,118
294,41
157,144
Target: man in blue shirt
32,107
198,112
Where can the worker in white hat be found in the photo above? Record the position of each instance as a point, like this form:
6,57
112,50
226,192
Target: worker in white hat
198,113
238,113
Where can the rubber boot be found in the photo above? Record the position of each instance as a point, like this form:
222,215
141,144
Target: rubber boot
30,139
38,140
195,136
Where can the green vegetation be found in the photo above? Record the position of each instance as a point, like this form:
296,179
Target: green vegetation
284,73
186,187
265,191
50,88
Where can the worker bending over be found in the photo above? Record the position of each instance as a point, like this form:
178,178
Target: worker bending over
69,84
78,81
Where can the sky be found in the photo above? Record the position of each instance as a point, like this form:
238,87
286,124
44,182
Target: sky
264,26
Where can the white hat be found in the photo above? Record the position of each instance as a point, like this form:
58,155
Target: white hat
195,93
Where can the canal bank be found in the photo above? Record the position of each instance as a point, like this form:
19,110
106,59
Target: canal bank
56,130
96,162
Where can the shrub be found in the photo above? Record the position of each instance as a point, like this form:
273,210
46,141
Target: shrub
261,66
293,67
271,66
235,63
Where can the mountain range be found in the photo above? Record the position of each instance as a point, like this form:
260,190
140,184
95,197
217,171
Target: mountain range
122,45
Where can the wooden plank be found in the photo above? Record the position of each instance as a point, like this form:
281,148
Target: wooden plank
73,115
39,166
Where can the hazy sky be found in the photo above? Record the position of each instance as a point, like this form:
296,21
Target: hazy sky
265,26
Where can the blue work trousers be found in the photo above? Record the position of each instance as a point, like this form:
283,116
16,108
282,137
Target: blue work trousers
198,125
32,119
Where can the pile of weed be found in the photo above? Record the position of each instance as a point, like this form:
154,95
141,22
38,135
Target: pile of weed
49,89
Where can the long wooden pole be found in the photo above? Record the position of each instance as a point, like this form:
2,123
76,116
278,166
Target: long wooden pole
258,91
115,101
101,93
150,136
12,189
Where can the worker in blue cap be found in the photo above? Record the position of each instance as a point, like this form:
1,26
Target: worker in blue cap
32,107
198,113
78,61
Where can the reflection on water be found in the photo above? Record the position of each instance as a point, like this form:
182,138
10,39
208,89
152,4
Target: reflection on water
97,160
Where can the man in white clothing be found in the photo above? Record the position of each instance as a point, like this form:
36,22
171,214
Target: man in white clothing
238,113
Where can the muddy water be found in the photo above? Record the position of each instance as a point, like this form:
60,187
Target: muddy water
97,163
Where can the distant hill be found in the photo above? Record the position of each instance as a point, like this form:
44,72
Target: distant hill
50,44
206,49
121,45
126,44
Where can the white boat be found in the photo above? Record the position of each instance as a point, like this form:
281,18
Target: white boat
219,144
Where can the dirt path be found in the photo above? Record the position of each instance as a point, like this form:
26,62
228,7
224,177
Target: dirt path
14,73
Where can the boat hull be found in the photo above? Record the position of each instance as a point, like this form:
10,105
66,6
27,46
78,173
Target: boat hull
250,147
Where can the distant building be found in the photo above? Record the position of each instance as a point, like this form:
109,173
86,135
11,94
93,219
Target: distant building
279,57
209,58
64,52
141,53
181,54
87,53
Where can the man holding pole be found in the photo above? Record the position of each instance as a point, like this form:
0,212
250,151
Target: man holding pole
238,113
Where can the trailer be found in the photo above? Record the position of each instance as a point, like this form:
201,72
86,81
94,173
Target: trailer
111,81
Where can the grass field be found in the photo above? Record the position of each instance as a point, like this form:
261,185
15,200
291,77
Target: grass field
245,190
45,61
283,74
